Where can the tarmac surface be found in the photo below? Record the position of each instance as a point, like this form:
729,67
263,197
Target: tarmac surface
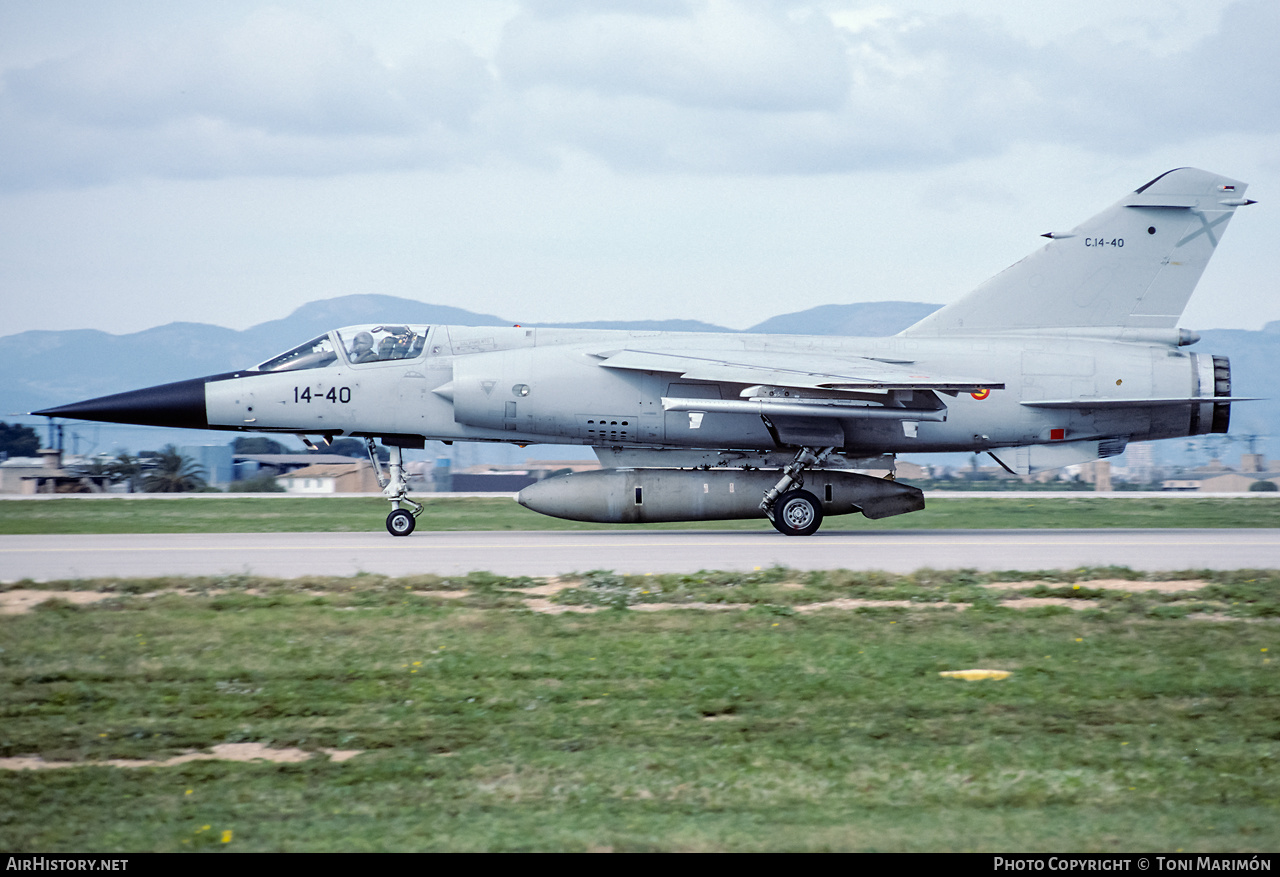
288,555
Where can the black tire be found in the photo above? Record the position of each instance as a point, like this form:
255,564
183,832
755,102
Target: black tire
797,513
400,523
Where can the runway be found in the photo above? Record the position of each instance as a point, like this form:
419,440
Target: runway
288,555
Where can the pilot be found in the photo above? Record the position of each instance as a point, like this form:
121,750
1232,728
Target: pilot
362,349
391,347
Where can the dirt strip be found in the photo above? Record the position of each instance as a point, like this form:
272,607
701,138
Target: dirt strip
221,752
1105,585
21,601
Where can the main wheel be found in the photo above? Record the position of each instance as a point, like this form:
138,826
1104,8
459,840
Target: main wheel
400,523
797,513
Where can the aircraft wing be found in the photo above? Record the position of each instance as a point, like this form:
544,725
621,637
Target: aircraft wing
793,369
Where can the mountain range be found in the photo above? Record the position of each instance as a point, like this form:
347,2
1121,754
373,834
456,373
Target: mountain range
44,368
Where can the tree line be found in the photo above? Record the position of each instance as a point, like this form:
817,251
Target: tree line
168,470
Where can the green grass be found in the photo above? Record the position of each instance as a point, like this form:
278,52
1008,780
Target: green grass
486,726
242,514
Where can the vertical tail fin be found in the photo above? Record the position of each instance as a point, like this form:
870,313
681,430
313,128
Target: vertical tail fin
1131,267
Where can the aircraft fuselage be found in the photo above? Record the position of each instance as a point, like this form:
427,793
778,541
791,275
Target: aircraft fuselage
547,385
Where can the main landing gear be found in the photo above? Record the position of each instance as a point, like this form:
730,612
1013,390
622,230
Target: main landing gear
792,511
395,488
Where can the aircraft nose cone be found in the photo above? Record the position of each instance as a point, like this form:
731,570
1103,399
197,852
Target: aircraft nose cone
180,404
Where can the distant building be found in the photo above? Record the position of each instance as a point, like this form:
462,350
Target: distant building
14,469
1218,478
1236,482
352,476
53,477
491,482
496,478
215,461
1256,463
253,465
557,465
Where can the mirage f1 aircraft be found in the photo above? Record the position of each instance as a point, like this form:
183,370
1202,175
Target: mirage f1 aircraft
1065,357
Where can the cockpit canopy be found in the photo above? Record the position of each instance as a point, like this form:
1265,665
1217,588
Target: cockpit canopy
353,345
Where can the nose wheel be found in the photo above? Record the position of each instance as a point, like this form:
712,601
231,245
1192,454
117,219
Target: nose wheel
400,523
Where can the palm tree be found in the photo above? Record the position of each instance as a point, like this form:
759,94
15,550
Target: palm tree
125,468
173,473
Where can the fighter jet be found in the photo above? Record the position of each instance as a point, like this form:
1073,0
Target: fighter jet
1065,357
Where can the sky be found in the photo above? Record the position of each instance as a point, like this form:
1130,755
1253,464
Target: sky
573,160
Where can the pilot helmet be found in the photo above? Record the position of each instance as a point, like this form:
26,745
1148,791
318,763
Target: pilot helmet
362,344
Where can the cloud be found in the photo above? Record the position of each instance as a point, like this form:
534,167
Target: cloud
1091,91
700,86
717,55
280,93
449,83
681,92
278,72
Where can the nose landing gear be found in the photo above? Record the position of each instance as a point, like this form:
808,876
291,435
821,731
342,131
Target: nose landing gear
404,511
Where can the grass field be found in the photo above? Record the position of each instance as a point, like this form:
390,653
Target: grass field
1146,720
241,514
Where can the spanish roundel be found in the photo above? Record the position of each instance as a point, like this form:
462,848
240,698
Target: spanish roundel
981,394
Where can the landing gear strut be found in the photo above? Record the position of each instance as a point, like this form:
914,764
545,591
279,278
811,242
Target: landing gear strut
792,511
404,511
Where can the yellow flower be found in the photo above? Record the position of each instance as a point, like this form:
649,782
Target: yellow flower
226,836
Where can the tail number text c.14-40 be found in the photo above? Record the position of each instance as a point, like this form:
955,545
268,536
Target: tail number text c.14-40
335,394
